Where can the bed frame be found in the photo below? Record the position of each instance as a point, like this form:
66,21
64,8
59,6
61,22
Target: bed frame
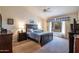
44,38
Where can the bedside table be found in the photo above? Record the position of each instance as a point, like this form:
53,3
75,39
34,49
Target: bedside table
22,36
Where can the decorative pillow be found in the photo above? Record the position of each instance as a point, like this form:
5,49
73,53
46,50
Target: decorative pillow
38,31
30,30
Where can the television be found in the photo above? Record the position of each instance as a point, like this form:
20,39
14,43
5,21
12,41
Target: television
75,27
75,30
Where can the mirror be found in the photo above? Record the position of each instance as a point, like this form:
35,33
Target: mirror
0,22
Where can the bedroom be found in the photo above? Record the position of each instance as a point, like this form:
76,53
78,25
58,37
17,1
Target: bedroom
22,15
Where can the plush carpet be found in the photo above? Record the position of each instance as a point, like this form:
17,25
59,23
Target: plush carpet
57,45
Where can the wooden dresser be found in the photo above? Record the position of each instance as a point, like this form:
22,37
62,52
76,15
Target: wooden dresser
77,44
5,42
73,43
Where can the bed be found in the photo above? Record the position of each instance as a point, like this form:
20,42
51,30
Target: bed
37,35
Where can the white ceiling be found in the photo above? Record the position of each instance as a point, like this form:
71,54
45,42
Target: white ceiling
55,10
38,10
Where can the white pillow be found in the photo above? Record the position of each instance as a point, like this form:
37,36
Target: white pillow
31,30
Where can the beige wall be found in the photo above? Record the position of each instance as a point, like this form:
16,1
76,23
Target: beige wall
0,10
78,17
21,17
44,24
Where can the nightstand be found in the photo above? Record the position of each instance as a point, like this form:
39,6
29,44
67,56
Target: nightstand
22,36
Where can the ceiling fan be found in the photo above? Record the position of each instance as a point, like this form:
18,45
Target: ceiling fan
46,9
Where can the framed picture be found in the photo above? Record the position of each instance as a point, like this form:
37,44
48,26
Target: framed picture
31,21
10,21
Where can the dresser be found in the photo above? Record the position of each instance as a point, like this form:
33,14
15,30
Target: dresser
73,42
77,44
6,42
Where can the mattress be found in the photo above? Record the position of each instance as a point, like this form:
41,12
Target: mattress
34,36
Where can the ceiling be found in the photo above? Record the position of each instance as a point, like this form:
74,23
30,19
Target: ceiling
55,10
39,10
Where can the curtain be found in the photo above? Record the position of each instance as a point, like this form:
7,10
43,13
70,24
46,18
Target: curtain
58,19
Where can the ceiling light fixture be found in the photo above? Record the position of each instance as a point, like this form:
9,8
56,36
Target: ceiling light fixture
46,10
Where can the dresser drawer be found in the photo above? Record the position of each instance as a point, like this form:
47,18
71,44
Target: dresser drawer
6,43
77,45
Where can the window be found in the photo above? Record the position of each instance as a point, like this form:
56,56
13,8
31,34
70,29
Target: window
56,26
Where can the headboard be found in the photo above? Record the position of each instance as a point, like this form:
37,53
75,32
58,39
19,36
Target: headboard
31,26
